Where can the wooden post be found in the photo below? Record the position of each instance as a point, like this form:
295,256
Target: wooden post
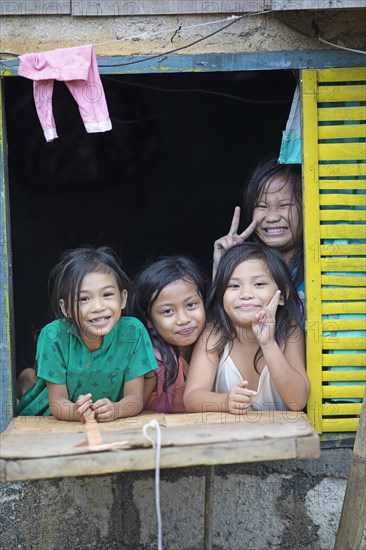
7,349
353,517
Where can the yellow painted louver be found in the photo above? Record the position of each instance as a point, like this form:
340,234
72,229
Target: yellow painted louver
334,163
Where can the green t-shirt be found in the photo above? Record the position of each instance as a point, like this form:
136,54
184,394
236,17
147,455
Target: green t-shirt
63,358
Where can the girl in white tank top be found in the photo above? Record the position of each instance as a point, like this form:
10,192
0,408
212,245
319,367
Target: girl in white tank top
252,353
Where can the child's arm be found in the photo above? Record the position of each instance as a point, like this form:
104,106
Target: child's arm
62,408
25,380
150,380
130,405
287,369
198,395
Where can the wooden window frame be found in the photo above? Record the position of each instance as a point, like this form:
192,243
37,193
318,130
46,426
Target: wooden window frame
108,65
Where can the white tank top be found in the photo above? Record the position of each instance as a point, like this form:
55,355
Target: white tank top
228,376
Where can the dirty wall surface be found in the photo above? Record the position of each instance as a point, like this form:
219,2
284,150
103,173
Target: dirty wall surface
274,505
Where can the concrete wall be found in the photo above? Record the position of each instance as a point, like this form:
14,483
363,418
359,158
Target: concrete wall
277,31
292,505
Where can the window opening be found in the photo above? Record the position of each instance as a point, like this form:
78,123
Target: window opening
165,180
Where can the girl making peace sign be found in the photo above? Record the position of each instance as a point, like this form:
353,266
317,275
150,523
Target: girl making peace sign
272,214
251,354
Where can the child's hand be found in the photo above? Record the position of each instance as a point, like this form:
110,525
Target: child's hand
265,323
239,398
232,238
83,406
105,410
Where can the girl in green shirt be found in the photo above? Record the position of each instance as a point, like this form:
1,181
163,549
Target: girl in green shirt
91,360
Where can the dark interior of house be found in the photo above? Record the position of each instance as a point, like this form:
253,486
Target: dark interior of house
165,180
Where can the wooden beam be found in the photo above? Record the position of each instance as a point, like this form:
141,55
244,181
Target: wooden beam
353,517
43,448
302,5
7,355
215,63
115,8
35,7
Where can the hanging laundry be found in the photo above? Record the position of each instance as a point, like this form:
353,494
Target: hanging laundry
291,146
78,68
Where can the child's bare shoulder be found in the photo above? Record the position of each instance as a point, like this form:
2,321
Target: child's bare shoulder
211,337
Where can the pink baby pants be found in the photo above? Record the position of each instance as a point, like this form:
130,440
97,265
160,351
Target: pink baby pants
78,68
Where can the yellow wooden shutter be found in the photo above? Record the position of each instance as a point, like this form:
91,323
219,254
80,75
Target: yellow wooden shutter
334,131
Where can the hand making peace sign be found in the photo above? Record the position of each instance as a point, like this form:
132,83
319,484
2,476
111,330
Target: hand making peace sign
231,239
265,323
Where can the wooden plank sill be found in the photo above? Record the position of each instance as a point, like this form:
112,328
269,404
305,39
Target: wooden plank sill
44,448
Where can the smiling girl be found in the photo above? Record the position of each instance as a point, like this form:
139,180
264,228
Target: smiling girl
251,354
91,360
169,299
272,214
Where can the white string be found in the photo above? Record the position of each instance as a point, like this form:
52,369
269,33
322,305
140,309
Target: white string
340,47
153,424
158,33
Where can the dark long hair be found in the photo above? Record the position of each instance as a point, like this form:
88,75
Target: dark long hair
256,185
288,316
148,285
66,277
